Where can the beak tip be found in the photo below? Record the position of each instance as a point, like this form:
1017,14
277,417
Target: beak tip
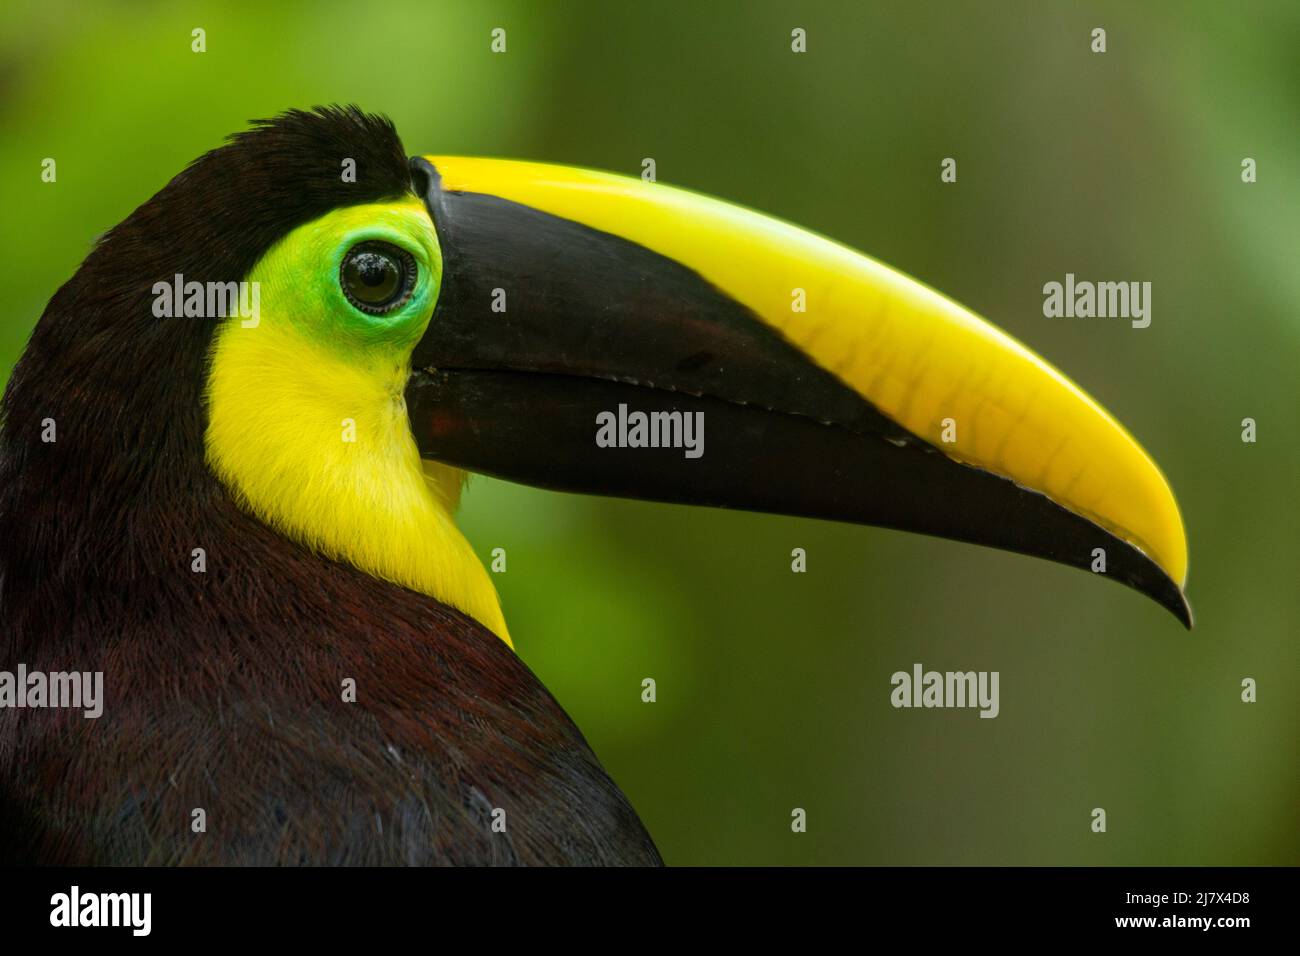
1171,597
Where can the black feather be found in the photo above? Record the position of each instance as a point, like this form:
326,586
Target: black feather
223,690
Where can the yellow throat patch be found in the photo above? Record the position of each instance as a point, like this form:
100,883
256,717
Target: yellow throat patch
307,421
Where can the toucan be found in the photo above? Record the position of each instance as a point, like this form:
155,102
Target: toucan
242,519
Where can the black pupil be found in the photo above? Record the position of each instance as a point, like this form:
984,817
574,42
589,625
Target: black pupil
373,277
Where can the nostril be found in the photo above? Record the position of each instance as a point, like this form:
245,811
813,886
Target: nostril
424,177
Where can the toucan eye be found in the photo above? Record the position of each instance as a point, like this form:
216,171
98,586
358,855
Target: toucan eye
377,277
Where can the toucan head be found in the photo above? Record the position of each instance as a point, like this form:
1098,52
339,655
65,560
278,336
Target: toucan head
407,321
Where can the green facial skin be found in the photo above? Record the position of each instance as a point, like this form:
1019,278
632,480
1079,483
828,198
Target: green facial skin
318,308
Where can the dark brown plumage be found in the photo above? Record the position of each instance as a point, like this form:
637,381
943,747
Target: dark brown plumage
223,690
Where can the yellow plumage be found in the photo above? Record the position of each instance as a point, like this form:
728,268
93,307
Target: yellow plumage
311,435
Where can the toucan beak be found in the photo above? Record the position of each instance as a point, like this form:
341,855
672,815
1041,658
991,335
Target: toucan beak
788,373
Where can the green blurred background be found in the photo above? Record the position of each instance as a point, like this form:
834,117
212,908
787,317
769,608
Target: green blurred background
773,688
